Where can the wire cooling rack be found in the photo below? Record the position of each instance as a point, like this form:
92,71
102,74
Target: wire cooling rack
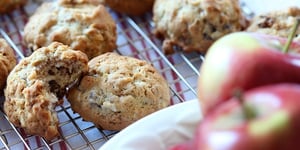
134,39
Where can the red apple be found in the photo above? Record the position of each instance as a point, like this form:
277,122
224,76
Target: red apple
275,124
245,60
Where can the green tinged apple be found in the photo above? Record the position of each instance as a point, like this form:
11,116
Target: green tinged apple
279,121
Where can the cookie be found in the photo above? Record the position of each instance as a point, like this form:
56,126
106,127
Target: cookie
278,23
7,62
10,5
131,7
38,83
193,25
80,24
117,91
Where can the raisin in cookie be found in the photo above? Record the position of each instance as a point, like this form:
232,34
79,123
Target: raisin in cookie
7,61
38,83
80,24
9,5
118,90
131,7
278,23
193,25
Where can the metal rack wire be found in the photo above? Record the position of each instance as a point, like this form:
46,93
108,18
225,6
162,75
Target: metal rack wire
135,40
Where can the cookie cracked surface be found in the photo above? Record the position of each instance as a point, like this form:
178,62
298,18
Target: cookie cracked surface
278,23
193,25
118,90
131,7
38,83
82,25
7,62
10,5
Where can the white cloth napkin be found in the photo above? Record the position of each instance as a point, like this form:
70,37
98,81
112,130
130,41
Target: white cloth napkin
159,130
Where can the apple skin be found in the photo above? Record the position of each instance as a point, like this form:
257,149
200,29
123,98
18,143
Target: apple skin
243,61
276,125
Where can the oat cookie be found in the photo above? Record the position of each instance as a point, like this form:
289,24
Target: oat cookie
278,23
7,62
9,5
38,83
118,90
131,7
80,24
193,25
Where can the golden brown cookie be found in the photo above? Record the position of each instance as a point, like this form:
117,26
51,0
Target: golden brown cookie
9,5
117,91
193,25
80,24
38,83
7,62
131,7
74,2
278,23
